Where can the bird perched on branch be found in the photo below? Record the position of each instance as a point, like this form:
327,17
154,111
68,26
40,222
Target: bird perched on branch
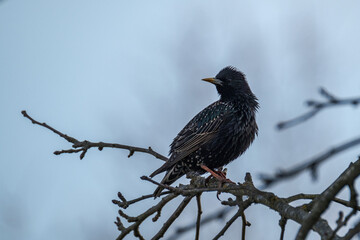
218,134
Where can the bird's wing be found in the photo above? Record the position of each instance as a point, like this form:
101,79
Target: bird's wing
199,131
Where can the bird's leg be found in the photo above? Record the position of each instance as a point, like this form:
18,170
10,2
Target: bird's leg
221,172
219,175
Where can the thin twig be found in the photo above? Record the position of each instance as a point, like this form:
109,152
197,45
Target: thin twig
340,222
353,203
137,234
352,232
139,219
84,146
172,189
198,219
311,164
125,204
172,218
316,107
322,202
353,195
221,214
243,205
245,224
282,223
302,196
228,224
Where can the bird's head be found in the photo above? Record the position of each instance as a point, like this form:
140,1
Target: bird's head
231,85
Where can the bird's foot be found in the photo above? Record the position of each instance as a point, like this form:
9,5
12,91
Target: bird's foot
219,175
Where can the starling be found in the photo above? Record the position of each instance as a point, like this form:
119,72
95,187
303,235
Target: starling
218,134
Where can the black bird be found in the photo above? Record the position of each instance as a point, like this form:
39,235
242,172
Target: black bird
218,134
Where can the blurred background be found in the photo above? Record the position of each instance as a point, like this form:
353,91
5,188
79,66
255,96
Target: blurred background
129,72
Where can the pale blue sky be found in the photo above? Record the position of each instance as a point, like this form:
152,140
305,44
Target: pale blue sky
129,72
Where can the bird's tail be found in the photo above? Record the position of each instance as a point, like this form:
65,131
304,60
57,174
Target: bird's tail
170,177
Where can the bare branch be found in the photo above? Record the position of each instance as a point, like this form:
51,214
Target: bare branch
84,146
353,203
245,224
352,232
228,224
317,106
139,219
353,195
309,218
342,222
205,220
282,223
172,189
198,219
302,196
172,218
137,234
256,196
311,164
124,203
33,121
322,202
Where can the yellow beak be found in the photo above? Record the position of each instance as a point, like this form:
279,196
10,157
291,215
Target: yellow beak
213,81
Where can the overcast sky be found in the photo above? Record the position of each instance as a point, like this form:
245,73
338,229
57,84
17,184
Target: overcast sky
129,72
